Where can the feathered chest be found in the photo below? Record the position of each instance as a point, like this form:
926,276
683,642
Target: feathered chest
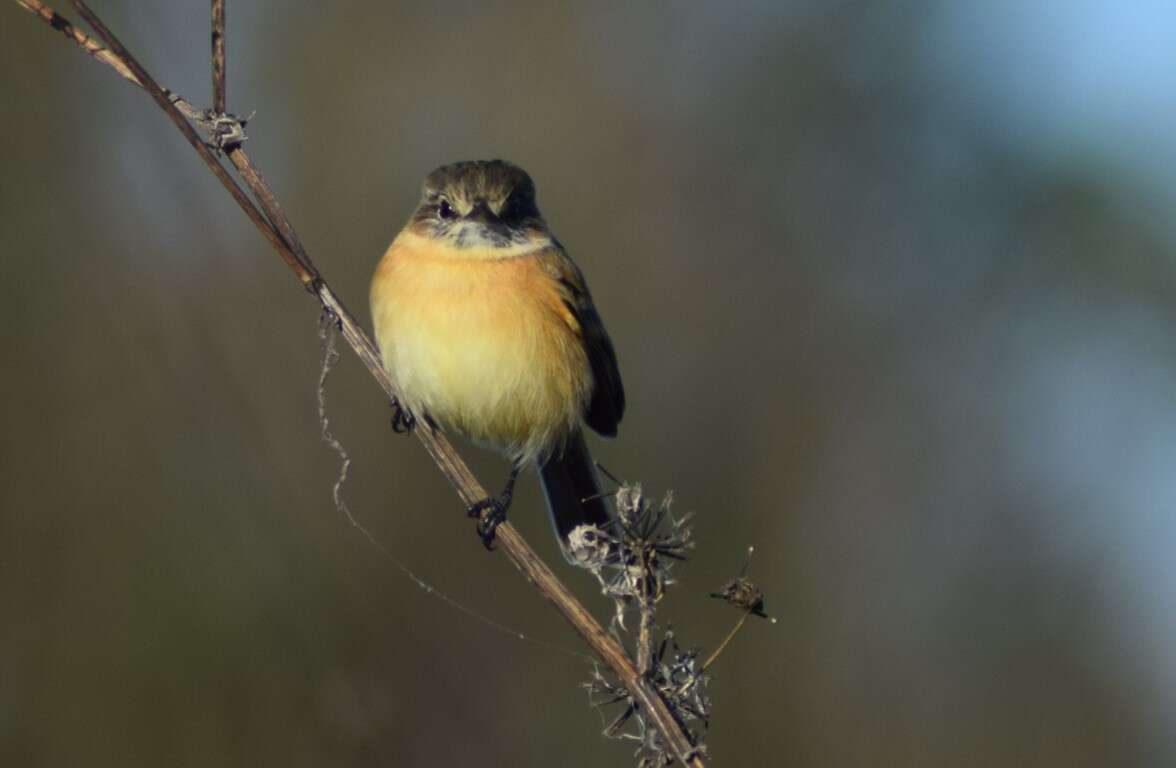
483,345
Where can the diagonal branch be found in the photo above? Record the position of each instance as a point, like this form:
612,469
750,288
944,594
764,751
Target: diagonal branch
276,228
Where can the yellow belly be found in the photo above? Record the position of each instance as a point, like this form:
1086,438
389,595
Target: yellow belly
483,346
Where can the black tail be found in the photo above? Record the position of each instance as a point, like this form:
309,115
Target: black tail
571,490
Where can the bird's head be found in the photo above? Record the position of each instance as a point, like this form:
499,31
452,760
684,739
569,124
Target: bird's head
484,204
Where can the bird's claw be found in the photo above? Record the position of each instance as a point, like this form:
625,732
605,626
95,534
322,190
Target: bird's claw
402,421
488,523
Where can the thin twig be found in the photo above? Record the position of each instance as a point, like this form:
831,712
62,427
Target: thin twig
94,49
218,57
726,640
277,217
645,636
280,234
647,595
62,25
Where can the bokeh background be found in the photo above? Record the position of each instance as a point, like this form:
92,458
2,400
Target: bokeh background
892,286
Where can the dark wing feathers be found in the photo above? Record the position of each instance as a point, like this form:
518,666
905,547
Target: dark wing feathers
607,405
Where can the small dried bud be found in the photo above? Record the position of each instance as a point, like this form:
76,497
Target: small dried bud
741,593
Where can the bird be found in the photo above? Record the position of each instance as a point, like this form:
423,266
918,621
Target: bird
489,330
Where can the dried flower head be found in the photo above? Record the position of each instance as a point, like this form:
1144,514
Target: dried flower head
682,684
632,559
590,548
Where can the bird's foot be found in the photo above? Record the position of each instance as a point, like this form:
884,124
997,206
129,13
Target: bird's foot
402,420
495,507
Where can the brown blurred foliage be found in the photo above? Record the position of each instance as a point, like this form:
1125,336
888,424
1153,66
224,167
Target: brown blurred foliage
927,373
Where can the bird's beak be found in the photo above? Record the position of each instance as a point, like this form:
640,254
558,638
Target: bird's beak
481,213
485,220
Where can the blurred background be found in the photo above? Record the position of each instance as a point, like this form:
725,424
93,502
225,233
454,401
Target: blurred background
892,287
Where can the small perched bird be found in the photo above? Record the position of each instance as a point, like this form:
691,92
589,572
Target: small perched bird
488,328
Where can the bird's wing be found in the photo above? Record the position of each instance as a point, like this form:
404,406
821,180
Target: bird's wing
607,404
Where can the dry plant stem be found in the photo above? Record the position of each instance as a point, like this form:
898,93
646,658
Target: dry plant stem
218,56
726,641
645,634
277,230
277,217
120,65
53,19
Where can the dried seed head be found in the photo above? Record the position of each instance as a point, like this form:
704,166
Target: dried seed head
741,593
590,548
631,504
682,685
632,559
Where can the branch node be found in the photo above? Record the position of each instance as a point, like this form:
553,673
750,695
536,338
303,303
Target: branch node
225,130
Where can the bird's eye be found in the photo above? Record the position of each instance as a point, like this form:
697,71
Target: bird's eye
445,210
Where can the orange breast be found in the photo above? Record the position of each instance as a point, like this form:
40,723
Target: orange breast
484,345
